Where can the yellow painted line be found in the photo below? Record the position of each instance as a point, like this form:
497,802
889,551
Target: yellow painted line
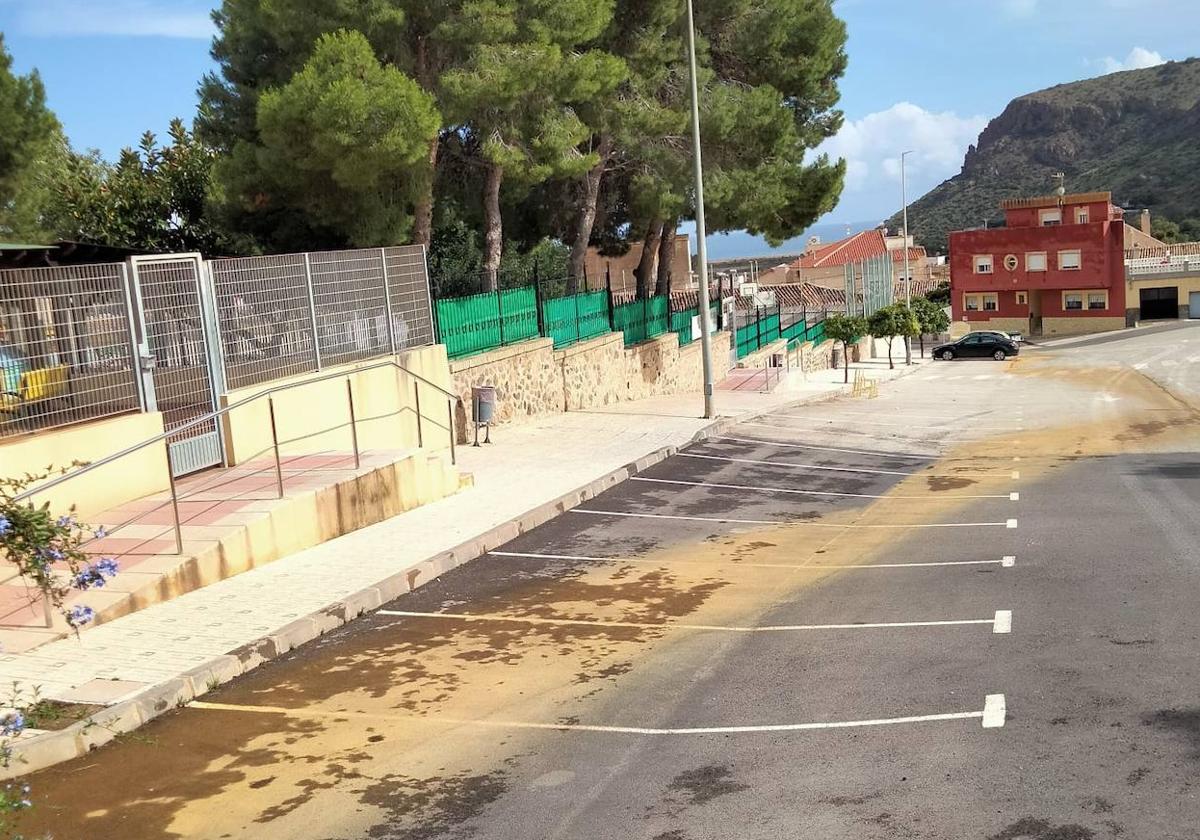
991,716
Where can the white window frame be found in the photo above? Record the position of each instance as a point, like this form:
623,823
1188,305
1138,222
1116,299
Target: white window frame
1029,257
981,301
1022,298
1082,215
1082,301
1050,217
1078,260
979,261
1087,299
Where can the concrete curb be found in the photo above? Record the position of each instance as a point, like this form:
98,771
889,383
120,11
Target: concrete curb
35,751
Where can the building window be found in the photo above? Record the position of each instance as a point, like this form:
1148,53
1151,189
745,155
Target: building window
1069,260
1035,261
1022,298
983,264
1050,217
1097,300
984,301
1072,300
1081,215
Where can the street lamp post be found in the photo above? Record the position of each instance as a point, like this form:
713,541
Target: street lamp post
701,249
907,273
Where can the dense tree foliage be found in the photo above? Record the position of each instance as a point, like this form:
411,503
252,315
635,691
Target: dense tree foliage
483,129
847,329
30,139
931,317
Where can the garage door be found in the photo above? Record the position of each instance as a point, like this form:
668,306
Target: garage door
1160,303
1194,305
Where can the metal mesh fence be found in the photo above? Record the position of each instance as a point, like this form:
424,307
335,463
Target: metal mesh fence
297,313
265,314
66,351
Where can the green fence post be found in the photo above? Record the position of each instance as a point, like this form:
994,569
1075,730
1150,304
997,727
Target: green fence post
500,313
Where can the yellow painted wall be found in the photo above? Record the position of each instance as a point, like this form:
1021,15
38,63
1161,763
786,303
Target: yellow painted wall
314,416
1184,284
1080,326
134,476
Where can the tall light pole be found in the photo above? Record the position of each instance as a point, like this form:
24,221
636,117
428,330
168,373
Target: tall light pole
907,273
701,249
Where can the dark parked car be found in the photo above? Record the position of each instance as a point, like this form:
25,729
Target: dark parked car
978,345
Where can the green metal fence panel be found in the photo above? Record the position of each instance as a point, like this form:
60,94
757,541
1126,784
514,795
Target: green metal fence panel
658,312
485,321
747,339
593,314
770,328
469,324
681,325
518,314
575,318
630,318
642,319
816,333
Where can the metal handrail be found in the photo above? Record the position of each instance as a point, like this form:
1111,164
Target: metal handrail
213,415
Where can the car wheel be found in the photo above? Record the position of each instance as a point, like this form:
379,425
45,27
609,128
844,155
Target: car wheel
947,355
999,355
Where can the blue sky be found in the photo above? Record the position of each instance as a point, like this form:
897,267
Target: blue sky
923,75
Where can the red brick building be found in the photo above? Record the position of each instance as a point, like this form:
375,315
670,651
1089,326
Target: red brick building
1057,268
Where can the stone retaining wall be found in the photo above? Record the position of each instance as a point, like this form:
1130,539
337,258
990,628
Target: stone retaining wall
533,379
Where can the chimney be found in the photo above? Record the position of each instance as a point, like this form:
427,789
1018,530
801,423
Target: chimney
1146,222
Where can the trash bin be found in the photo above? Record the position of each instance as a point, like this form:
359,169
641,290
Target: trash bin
483,399
483,406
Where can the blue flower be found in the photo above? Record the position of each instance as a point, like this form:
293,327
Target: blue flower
12,724
52,554
80,615
5,525
66,520
107,566
101,533
94,575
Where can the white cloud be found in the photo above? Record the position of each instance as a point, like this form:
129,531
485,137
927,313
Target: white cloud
1138,58
151,18
872,147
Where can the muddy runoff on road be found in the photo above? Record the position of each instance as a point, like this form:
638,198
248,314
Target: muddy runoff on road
416,724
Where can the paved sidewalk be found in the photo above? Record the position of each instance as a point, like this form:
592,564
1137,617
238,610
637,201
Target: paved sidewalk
145,663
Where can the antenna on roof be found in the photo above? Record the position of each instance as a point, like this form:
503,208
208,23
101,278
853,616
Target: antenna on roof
1060,190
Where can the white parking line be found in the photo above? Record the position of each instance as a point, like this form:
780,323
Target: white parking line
911,457
1004,562
1002,622
799,492
1011,523
994,711
991,716
996,621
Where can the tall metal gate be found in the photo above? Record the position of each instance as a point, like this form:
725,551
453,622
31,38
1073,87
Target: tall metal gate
179,354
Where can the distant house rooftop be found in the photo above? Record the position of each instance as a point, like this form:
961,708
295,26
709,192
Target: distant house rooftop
1055,200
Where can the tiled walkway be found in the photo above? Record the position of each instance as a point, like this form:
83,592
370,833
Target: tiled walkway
213,505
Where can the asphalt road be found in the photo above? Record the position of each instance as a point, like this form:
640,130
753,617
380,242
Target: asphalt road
965,609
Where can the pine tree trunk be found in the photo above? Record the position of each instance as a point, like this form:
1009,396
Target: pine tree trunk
493,227
646,266
423,212
585,219
666,257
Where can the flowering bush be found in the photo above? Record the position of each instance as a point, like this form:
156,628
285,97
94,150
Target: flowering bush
47,550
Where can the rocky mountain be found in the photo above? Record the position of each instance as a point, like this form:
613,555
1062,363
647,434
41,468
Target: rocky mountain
1135,133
